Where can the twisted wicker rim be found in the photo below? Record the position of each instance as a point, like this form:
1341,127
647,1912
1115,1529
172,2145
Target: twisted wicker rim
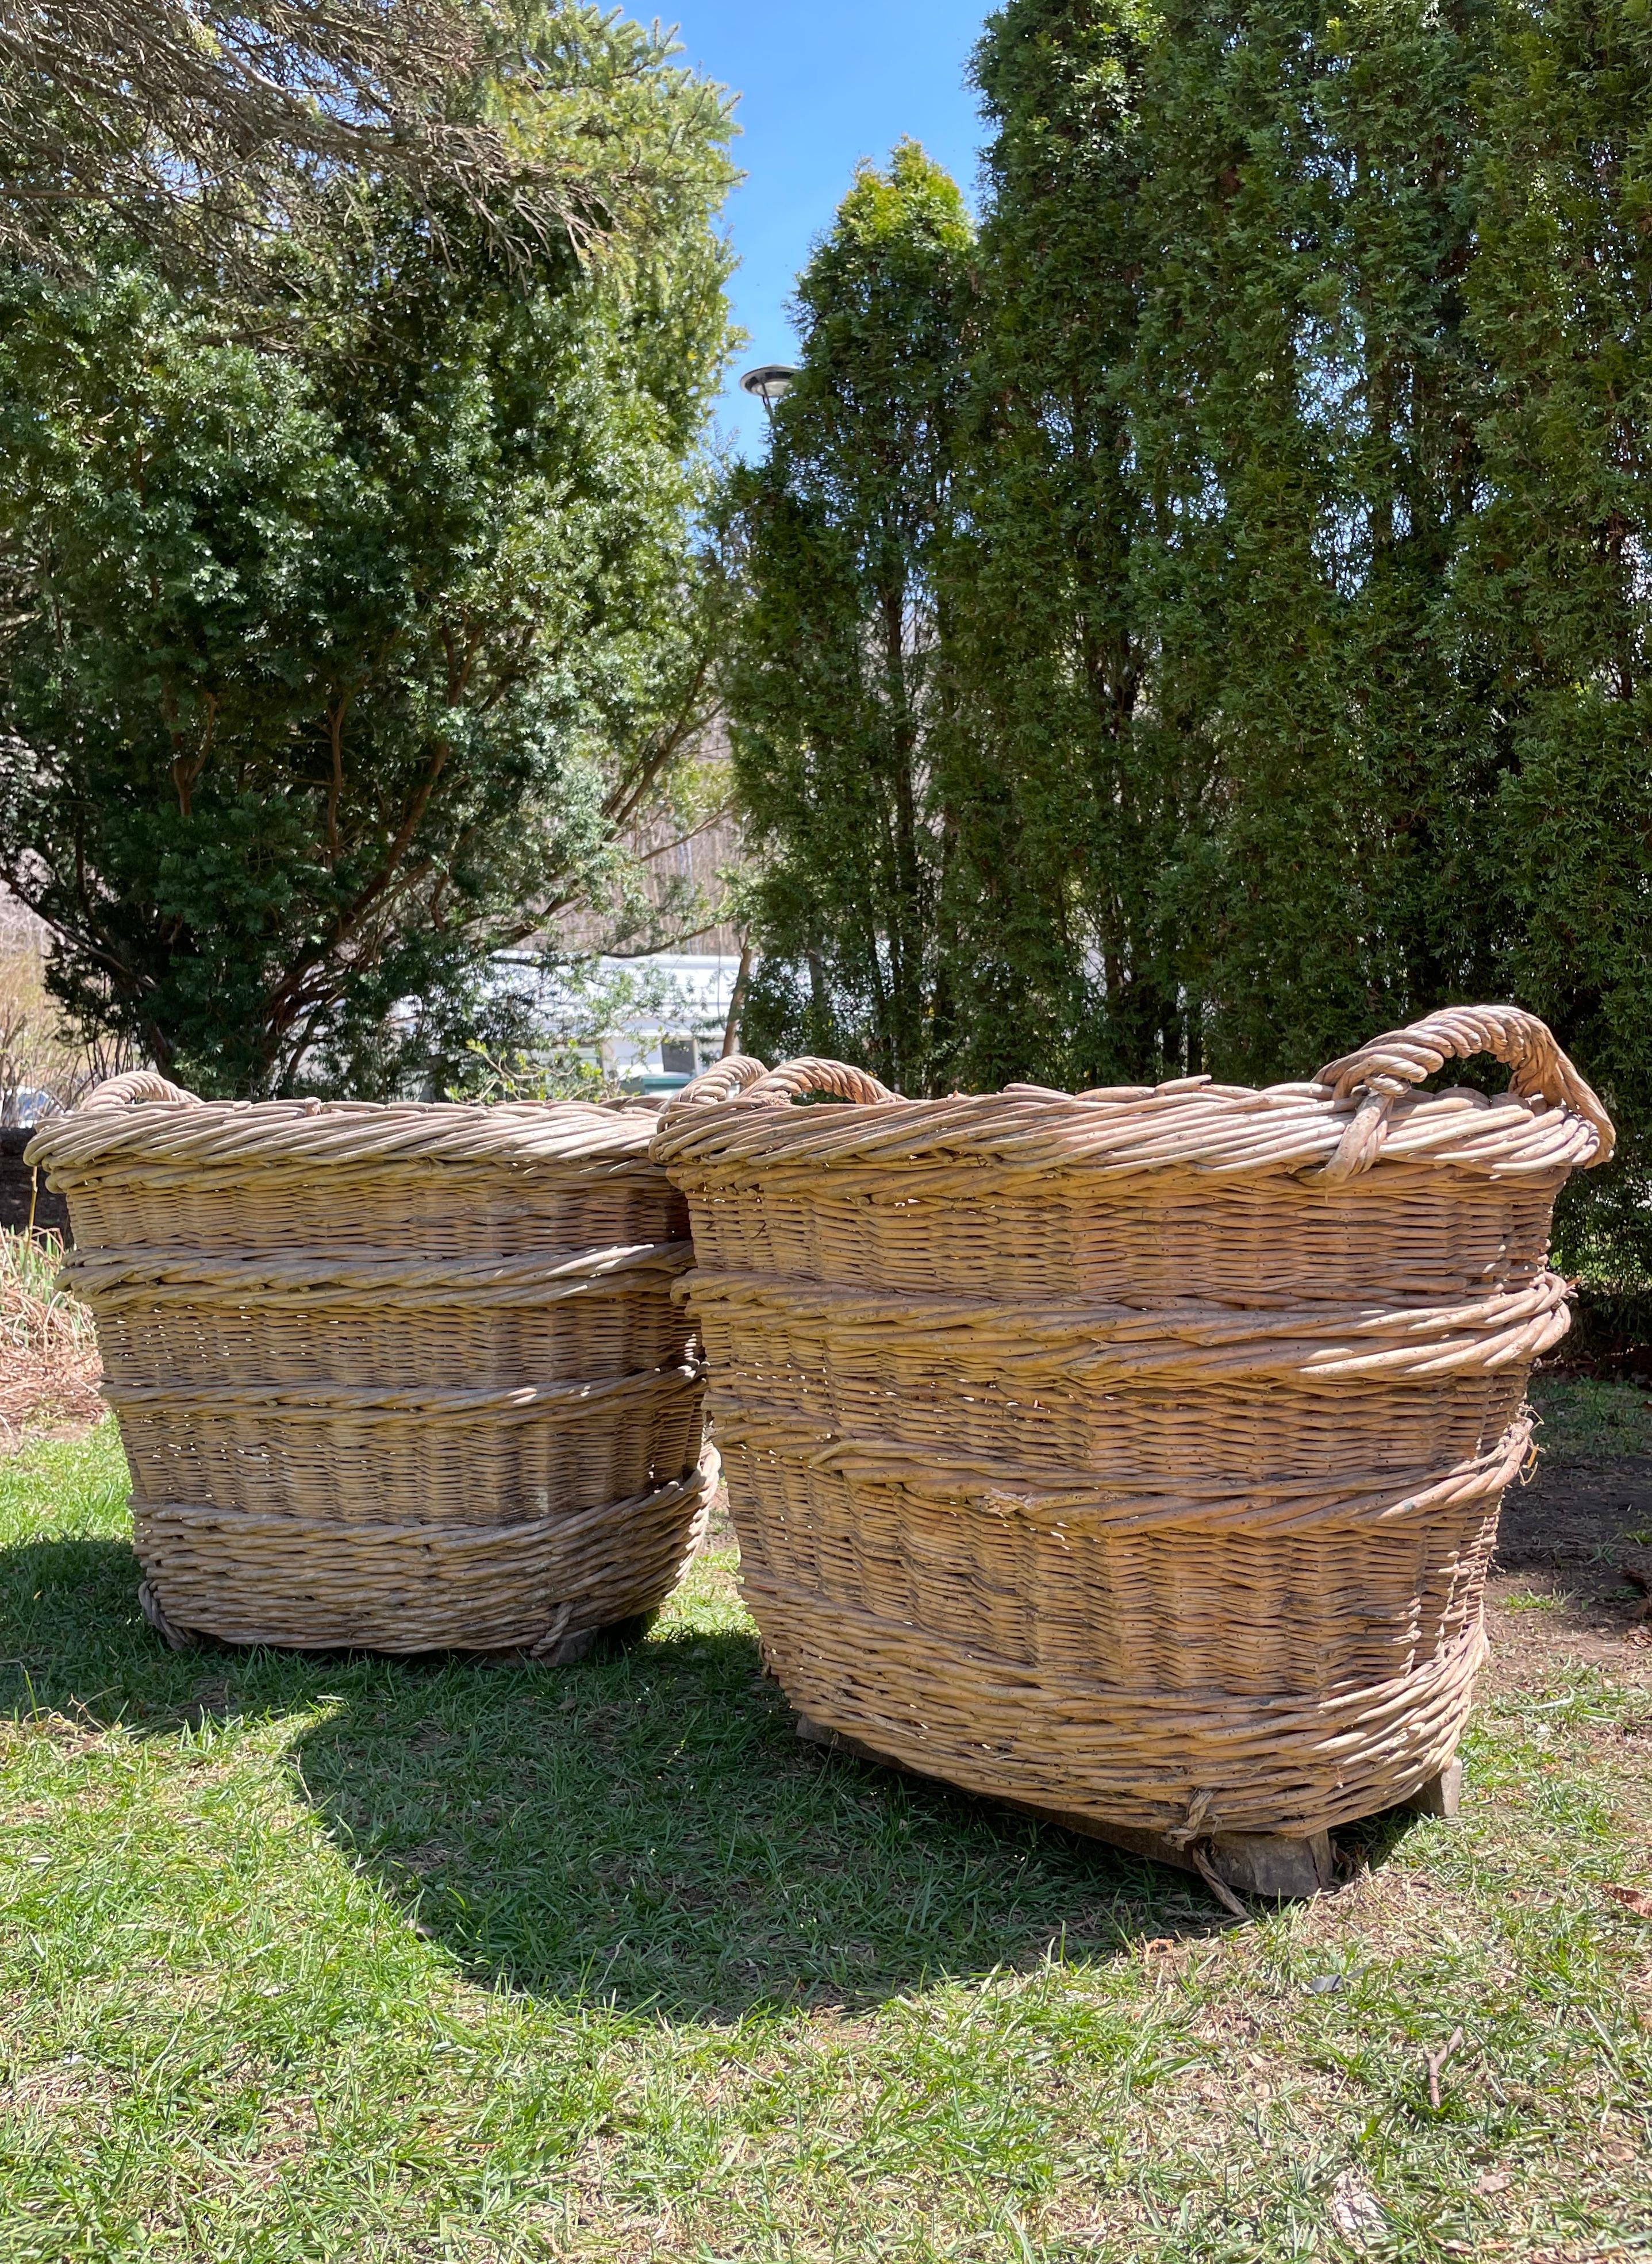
1356,1111
142,1118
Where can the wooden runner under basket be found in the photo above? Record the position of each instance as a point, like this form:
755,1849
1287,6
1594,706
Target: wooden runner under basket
409,1377
1135,1455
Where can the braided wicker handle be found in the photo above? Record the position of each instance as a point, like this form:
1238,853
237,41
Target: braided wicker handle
138,1085
1380,1072
730,1077
743,1076
794,1078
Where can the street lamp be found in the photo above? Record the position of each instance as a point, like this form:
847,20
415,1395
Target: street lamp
769,384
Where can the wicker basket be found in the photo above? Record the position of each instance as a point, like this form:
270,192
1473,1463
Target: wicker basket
1138,1455
406,1377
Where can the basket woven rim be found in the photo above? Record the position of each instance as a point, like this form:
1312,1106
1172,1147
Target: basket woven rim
1356,1111
142,1119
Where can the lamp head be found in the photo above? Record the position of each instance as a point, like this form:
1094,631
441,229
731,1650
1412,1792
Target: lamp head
770,383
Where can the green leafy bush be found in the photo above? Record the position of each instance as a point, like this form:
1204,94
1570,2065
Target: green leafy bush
341,630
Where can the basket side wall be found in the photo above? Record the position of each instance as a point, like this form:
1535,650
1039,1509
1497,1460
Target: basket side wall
1398,1236
926,1580
309,1463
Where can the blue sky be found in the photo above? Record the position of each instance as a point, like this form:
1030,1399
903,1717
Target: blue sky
822,83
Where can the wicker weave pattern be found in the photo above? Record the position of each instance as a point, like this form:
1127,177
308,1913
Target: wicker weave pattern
409,1377
1136,1454
310,1316
1181,1766
522,1585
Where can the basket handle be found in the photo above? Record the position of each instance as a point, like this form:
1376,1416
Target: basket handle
728,1078
138,1085
1380,1072
793,1079
743,1076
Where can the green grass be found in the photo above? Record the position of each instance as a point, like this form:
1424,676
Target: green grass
1582,1420
341,1958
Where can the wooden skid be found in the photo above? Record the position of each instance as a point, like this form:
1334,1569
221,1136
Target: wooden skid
591,1640
1442,1796
1271,1864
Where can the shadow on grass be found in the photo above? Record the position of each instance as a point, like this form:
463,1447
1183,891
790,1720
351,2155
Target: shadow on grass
644,1828
647,1829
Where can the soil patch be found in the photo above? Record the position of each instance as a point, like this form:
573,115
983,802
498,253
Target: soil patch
1558,1589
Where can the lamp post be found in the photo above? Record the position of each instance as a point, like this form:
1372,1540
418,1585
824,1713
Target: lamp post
768,384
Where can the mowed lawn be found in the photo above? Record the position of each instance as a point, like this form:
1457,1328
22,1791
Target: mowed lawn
344,1958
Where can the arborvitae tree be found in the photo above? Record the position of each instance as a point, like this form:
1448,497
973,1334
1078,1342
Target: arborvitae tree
1302,617
1555,579
1220,723
1067,813
1289,604
834,694
1303,402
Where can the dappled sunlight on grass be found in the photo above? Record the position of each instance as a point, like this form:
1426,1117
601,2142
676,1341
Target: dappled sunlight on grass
1579,1417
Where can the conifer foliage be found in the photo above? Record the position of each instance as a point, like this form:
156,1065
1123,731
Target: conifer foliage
834,688
1289,580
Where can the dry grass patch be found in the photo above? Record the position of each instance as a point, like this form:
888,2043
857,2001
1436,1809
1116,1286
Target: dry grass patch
49,1366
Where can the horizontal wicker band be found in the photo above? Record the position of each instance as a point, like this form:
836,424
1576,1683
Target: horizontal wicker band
315,1279
1125,1504
1104,1342
250,1577
329,1403
293,1183
1179,1764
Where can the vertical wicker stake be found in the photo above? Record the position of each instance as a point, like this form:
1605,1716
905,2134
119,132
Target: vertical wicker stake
1136,1456
408,1378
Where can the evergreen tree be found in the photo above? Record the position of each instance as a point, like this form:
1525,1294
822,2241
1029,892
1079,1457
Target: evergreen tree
834,693
1068,810
1298,632
214,130
1283,558
1555,579
1223,434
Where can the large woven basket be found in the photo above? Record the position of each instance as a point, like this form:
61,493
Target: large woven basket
1134,1454
409,1377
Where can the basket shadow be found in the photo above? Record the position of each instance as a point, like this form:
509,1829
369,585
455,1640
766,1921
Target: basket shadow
647,1830
70,1631
643,1829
